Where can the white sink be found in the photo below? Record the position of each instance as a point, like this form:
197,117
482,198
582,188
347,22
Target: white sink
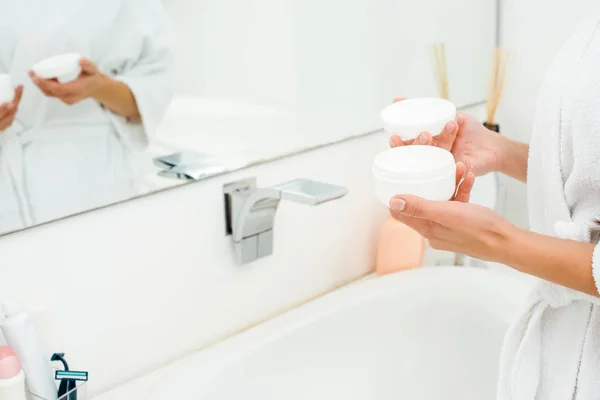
429,334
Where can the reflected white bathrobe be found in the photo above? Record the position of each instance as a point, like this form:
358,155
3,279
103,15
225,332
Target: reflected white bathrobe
56,159
553,351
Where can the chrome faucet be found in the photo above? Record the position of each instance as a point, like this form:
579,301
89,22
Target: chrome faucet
250,211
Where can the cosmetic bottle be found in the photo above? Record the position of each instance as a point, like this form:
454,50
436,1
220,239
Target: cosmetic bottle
21,335
12,378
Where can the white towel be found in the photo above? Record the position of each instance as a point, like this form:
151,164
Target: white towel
553,350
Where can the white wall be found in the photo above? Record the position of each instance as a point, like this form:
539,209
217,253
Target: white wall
535,30
333,65
241,50
132,287
355,62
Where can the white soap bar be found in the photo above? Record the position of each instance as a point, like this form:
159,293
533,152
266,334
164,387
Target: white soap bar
409,118
7,91
65,68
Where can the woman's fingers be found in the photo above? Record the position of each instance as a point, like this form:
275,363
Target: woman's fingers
7,116
463,194
397,99
18,96
52,87
49,87
42,84
461,171
424,139
395,141
446,139
88,67
3,123
6,109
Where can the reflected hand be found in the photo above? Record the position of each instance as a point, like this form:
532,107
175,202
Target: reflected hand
84,87
469,141
8,111
456,226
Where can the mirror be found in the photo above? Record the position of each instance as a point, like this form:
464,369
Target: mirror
122,98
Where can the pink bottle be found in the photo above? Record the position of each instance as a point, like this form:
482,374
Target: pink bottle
12,378
400,248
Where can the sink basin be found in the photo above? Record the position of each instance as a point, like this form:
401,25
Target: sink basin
430,334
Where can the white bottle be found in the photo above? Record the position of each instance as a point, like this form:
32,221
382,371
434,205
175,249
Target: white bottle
20,335
12,378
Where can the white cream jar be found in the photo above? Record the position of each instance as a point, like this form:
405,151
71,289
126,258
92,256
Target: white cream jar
65,68
7,90
425,171
409,118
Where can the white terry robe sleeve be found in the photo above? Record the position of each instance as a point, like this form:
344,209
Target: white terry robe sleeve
149,74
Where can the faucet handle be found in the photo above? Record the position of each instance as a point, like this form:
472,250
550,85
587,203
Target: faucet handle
306,191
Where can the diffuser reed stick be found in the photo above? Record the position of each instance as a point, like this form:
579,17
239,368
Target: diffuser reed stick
497,79
438,57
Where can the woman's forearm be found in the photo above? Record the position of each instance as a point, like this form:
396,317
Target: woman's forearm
117,97
567,263
513,158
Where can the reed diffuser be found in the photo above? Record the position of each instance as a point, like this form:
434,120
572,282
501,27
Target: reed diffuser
496,82
438,59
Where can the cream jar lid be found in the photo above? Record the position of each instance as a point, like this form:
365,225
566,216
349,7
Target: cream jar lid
412,163
409,118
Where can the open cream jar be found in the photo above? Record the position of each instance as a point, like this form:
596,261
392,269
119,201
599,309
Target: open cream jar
425,171
409,118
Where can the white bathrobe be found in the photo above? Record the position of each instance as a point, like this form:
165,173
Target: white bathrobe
553,351
56,159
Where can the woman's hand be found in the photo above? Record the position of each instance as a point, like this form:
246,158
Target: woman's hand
8,111
469,140
456,226
92,84
84,87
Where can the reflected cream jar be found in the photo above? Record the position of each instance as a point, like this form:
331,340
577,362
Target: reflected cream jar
64,68
7,91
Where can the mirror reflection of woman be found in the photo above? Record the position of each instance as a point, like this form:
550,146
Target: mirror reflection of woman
66,148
